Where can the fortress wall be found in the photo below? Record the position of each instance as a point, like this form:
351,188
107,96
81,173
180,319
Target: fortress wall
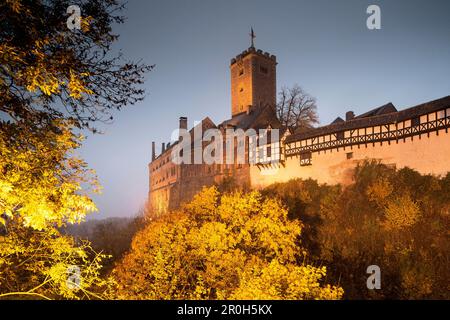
428,155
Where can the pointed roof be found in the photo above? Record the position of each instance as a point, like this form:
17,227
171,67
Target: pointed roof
385,109
338,120
255,118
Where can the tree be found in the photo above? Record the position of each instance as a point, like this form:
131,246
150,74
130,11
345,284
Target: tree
296,109
49,72
40,192
52,81
231,246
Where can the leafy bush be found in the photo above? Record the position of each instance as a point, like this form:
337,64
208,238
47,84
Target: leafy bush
232,246
396,219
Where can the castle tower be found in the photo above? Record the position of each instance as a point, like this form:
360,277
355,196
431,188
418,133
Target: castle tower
253,80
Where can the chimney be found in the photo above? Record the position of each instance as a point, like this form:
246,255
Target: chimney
163,147
349,115
183,124
153,151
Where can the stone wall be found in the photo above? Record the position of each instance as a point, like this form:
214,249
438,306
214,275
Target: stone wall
427,155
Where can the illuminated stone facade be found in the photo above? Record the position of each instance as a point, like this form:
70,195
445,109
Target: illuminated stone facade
415,137
253,80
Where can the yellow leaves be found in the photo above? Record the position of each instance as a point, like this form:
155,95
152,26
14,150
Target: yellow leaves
86,23
40,78
379,191
9,55
204,203
211,236
401,212
49,83
44,73
40,190
15,5
39,262
289,282
234,246
77,86
38,182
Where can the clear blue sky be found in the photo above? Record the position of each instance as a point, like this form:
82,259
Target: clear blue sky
324,46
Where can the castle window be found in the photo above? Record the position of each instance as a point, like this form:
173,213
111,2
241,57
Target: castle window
241,72
349,155
415,121
306,159
241,89
263,70
269,151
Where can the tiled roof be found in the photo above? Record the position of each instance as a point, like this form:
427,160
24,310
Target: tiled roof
253,119
387,108
374,118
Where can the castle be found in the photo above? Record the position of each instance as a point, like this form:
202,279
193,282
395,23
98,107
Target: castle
415,137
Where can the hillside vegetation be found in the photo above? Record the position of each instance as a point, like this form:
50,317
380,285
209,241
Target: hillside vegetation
396,219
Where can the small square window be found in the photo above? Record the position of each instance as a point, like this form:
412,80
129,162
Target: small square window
263,70
349,155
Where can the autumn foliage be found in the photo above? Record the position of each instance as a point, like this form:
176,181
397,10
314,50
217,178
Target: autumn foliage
43,187
231,246
52,82
396,219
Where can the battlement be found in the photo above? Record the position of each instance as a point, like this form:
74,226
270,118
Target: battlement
252,50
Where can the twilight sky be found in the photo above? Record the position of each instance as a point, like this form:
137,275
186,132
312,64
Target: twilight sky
324,46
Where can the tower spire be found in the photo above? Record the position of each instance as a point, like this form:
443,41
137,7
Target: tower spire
252,37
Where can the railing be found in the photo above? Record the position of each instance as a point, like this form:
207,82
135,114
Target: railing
397,134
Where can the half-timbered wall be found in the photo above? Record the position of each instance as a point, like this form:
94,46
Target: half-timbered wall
421,145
